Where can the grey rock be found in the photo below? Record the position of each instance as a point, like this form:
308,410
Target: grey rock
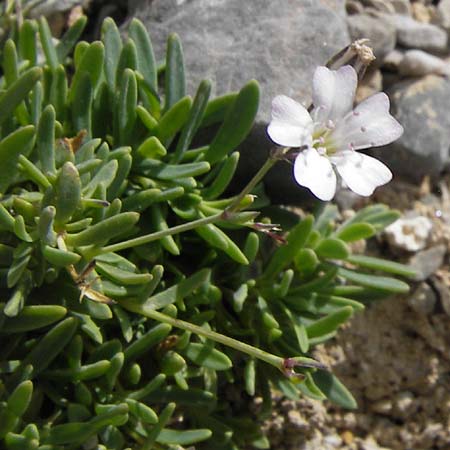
426,262
417,63
421,106
443,14
414,34
423,299
49,7
444,294
232,41
382,34
402,7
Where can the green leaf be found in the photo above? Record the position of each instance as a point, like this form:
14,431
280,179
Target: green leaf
173,119
127,59
32,318
193,122
217,109
60,258
334,389
113,47
332,248
123,276
175,82
223,178
373,263
67,193
217,238
355,231
146,63
329,323
70,38
47,43
28,41
45,139
20,142
206,356
284,255
159,170
187,437
82,97
20,398
146,342
237,123
17,92
126,107
104,230
374,281
171,295
50,346
91,63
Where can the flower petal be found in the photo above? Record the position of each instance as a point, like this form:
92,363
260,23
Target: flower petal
316,173
369,125
333,92
361,172
291,124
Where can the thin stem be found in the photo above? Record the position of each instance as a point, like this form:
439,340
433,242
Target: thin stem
269,358
225,215
253,182
160,234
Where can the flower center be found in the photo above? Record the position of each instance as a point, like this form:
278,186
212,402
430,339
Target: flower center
323,138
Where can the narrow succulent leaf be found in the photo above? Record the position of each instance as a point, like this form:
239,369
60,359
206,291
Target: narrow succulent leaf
159,170
374,281
45,139
329,323
237,123
223,178
146,63
335,391
67,193
20,398
91,63
18,91
48,46
284,255
217,238
127,60
105,176
28,41
123,276
20,142
332,248
141,411
171,295
187,437
60,258
173,119
10,62
175,81
50,346
384,265
217,109
355,231
45,225
159,223
59,92
70,38
152,148
113,47
206,355
81,105
103,231
126,108
144,343
193,122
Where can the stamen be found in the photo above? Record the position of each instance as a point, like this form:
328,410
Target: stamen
330,124
351,146
363,129
356,113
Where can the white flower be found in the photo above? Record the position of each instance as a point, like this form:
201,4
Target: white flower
332,133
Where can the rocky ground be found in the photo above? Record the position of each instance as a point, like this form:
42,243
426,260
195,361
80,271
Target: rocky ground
394,357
